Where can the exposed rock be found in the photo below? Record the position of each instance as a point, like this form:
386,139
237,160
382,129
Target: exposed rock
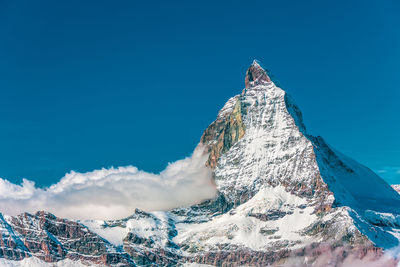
256,75
223,133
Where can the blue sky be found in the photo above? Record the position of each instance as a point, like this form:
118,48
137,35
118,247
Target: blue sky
91,84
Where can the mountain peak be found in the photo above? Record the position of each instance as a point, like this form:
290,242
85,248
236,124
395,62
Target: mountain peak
255,63
256,75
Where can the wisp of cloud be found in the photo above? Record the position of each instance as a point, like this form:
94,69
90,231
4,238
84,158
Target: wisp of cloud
114,193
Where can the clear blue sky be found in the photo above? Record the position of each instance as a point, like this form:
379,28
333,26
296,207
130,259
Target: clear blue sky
91,84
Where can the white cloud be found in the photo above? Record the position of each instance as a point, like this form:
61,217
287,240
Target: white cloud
114,193
387,169
390,173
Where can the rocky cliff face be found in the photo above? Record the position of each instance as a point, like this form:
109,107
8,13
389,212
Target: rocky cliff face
52,239
284,197
224,132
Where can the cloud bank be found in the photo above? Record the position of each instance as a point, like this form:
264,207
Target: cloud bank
343,256
114,193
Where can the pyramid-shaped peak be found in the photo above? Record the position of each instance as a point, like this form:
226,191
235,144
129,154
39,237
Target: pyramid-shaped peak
256,63
256,75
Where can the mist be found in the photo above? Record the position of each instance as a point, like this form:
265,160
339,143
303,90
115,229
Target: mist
115,192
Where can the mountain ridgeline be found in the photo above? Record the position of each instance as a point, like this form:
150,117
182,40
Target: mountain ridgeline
284,198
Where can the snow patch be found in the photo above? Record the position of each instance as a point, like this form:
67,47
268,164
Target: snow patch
113,234
241,227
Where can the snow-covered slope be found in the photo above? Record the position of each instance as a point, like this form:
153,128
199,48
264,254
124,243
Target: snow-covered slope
281,193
